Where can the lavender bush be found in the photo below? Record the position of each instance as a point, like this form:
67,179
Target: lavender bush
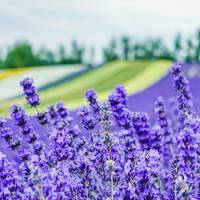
110,153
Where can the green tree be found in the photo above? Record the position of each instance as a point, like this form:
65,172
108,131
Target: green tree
190,53
1,61
77,52
21,54
139,50
126,47
110,52
62,54
177,46
45,57
92,54
197,52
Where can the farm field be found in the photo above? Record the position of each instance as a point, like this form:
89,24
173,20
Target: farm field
134,123
100,100
144,101
133,75
43,76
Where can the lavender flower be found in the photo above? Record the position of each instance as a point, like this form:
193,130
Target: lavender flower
91,96
117,154
9,181
142,129
122,92
87,120
146,172
21,120
187,146
15,145
162,119
30,92
118,102
42,118
61,110
7,134
2,122
156,139
105,121
59,147
164,123
52,116
181,86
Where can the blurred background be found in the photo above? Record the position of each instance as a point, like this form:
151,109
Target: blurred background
70,46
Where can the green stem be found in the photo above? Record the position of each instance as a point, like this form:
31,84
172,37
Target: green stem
37,110
112,185
111,171
175,192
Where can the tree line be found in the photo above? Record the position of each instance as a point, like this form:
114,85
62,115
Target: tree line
123,48
180,49
23,54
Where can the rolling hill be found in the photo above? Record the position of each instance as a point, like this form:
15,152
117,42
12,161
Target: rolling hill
134,75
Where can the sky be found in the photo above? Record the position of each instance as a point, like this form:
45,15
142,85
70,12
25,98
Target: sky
93,22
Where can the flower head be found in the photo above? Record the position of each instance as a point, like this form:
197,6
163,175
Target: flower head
142,129
87,120
181,86
91,96
30,92
10,180
118,102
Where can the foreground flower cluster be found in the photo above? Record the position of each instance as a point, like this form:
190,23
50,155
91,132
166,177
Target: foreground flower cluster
112,153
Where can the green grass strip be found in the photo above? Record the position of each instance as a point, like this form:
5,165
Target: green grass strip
134,75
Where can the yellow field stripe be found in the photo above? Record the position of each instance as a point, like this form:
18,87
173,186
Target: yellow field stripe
12,72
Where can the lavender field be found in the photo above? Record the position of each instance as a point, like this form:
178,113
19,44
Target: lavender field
99,100
144,101
139,147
